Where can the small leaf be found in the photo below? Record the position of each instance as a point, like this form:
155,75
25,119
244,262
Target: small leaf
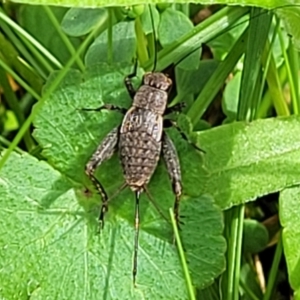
255,237
79,21
169,30
123,45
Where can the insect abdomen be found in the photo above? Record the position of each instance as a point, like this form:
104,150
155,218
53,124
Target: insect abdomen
140,145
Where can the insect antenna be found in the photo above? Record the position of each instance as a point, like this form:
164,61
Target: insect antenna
136,237
154,38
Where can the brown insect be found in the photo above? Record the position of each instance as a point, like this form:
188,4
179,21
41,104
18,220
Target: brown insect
140,141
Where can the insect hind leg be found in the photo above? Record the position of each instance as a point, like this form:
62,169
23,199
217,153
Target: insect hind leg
173,166
104,151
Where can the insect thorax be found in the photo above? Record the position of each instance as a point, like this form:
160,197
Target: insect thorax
153,94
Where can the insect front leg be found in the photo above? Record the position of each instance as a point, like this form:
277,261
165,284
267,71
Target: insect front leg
104,151
173,166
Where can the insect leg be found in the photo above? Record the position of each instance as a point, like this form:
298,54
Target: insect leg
104,151
136,237
128,82
171,159
176,108
106,106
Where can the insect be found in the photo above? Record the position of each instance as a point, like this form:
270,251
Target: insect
141,141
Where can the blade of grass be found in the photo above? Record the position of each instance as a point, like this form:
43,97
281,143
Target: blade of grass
12,58
293,55
263,80
292,82
51,88
28,39
188,279
63,36
216,81
7,143
266,102
258,32
202,33
274,84
14,105
274,271
141,45
22,49
248,291
19,80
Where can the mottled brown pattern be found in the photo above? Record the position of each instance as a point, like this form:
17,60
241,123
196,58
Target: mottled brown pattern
140,145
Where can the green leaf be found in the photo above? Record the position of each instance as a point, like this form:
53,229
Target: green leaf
211,230
78,21
248,160
168,30
41,222
255,237
70,136
289,218
123,45
192,81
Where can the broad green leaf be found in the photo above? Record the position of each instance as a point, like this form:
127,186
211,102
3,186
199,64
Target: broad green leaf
78,21
248,160
70,136
289,218
123,45
50,249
